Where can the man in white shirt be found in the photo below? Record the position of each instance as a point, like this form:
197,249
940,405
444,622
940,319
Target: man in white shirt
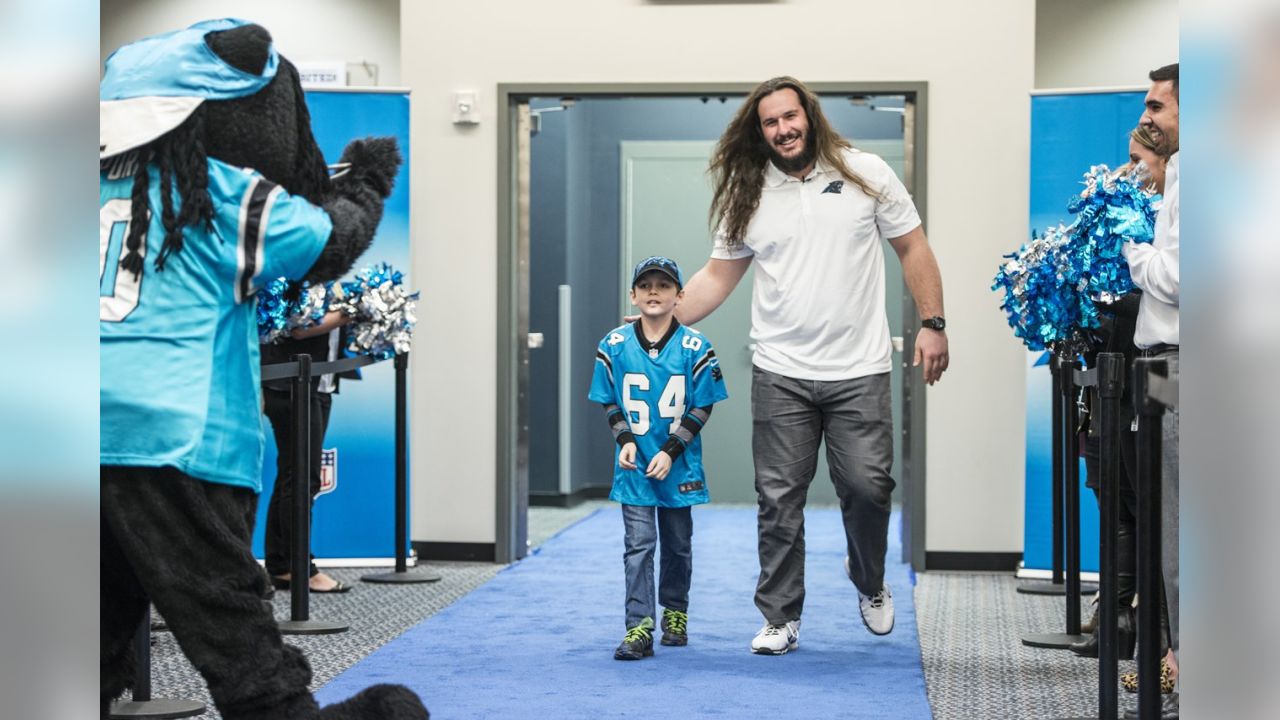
811,212
1154,268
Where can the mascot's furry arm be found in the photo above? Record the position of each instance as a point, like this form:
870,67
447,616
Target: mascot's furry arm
271,132
356,204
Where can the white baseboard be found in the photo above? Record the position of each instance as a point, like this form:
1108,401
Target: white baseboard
411,561
1031,574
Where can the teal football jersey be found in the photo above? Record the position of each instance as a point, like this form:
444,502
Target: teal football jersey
655,392
179,347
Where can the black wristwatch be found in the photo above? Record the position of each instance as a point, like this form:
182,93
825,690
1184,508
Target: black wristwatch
934,323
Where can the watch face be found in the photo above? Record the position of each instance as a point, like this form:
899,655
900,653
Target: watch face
934,323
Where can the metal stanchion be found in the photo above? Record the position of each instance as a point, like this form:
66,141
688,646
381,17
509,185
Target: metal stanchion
1110,381
299,622
1055,586
1070,460
1150,412
401,574
142,705
1110,388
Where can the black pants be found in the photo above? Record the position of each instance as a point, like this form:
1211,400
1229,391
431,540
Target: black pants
183,544
279,531
1127,532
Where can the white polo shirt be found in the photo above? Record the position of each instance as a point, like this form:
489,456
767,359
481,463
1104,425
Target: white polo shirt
817,310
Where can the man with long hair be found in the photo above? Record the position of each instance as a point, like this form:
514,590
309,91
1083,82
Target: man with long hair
811,211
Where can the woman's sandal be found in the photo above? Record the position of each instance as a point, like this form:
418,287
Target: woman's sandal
280,583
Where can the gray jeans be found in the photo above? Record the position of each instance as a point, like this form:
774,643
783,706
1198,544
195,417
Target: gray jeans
790,419
674,527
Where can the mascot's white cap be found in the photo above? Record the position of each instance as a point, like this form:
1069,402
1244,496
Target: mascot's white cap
151,86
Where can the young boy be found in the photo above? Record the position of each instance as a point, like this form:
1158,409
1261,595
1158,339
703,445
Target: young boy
657,381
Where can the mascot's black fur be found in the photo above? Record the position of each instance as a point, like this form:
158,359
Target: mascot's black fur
181,542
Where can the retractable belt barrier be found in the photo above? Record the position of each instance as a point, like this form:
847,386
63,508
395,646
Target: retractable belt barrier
1066,495
1108,377
1059,365
1155,390
300,370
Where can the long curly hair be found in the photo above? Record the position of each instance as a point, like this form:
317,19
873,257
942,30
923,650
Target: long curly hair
742,154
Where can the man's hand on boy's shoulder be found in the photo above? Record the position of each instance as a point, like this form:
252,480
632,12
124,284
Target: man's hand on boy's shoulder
627,456
659,466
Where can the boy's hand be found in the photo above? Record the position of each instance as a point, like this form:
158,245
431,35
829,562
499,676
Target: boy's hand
659,466
627,456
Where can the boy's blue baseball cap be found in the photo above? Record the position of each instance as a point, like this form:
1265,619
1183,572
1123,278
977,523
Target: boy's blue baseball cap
667,266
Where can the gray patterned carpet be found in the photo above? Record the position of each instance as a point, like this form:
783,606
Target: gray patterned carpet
976,667
970,625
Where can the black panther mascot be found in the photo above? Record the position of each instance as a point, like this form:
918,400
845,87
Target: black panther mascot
211,184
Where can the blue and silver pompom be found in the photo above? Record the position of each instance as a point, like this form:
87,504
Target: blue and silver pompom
383,312
1051,283
284,306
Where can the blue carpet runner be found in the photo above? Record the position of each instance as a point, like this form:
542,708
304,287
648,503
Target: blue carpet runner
537,641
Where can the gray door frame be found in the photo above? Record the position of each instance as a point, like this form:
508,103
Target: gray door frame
512,309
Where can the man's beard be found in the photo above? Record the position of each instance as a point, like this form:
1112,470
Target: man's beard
798,162
1165,146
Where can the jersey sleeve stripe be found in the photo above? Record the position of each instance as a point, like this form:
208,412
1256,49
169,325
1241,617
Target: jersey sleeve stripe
260,196
702,363
602,358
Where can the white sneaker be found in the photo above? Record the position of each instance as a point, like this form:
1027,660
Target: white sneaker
877,610
777,639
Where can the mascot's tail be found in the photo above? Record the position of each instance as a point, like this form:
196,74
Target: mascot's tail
356,204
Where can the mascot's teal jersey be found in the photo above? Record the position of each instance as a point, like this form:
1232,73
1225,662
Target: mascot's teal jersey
655,393
179,347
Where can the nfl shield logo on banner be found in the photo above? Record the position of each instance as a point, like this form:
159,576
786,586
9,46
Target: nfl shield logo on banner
328,471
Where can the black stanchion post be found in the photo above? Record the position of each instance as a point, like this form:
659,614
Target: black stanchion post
300,551
1055,585
1067,455
1059,369
300,622
143,705
1109,379
1110,388
402,574
1149,412
1071,484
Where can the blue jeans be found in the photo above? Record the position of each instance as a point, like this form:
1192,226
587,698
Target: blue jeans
790,418
675,528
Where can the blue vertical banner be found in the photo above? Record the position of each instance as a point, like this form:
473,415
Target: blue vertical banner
1070,132
354,516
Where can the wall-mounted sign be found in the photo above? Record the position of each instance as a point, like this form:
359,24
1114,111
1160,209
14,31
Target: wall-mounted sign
326,73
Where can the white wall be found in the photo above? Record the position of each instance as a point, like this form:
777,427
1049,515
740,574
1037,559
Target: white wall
303,30
1103,43
978,58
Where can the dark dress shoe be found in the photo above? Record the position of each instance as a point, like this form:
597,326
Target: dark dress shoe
1126,636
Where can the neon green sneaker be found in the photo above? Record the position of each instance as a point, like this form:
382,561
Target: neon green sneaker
675,627
637,643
